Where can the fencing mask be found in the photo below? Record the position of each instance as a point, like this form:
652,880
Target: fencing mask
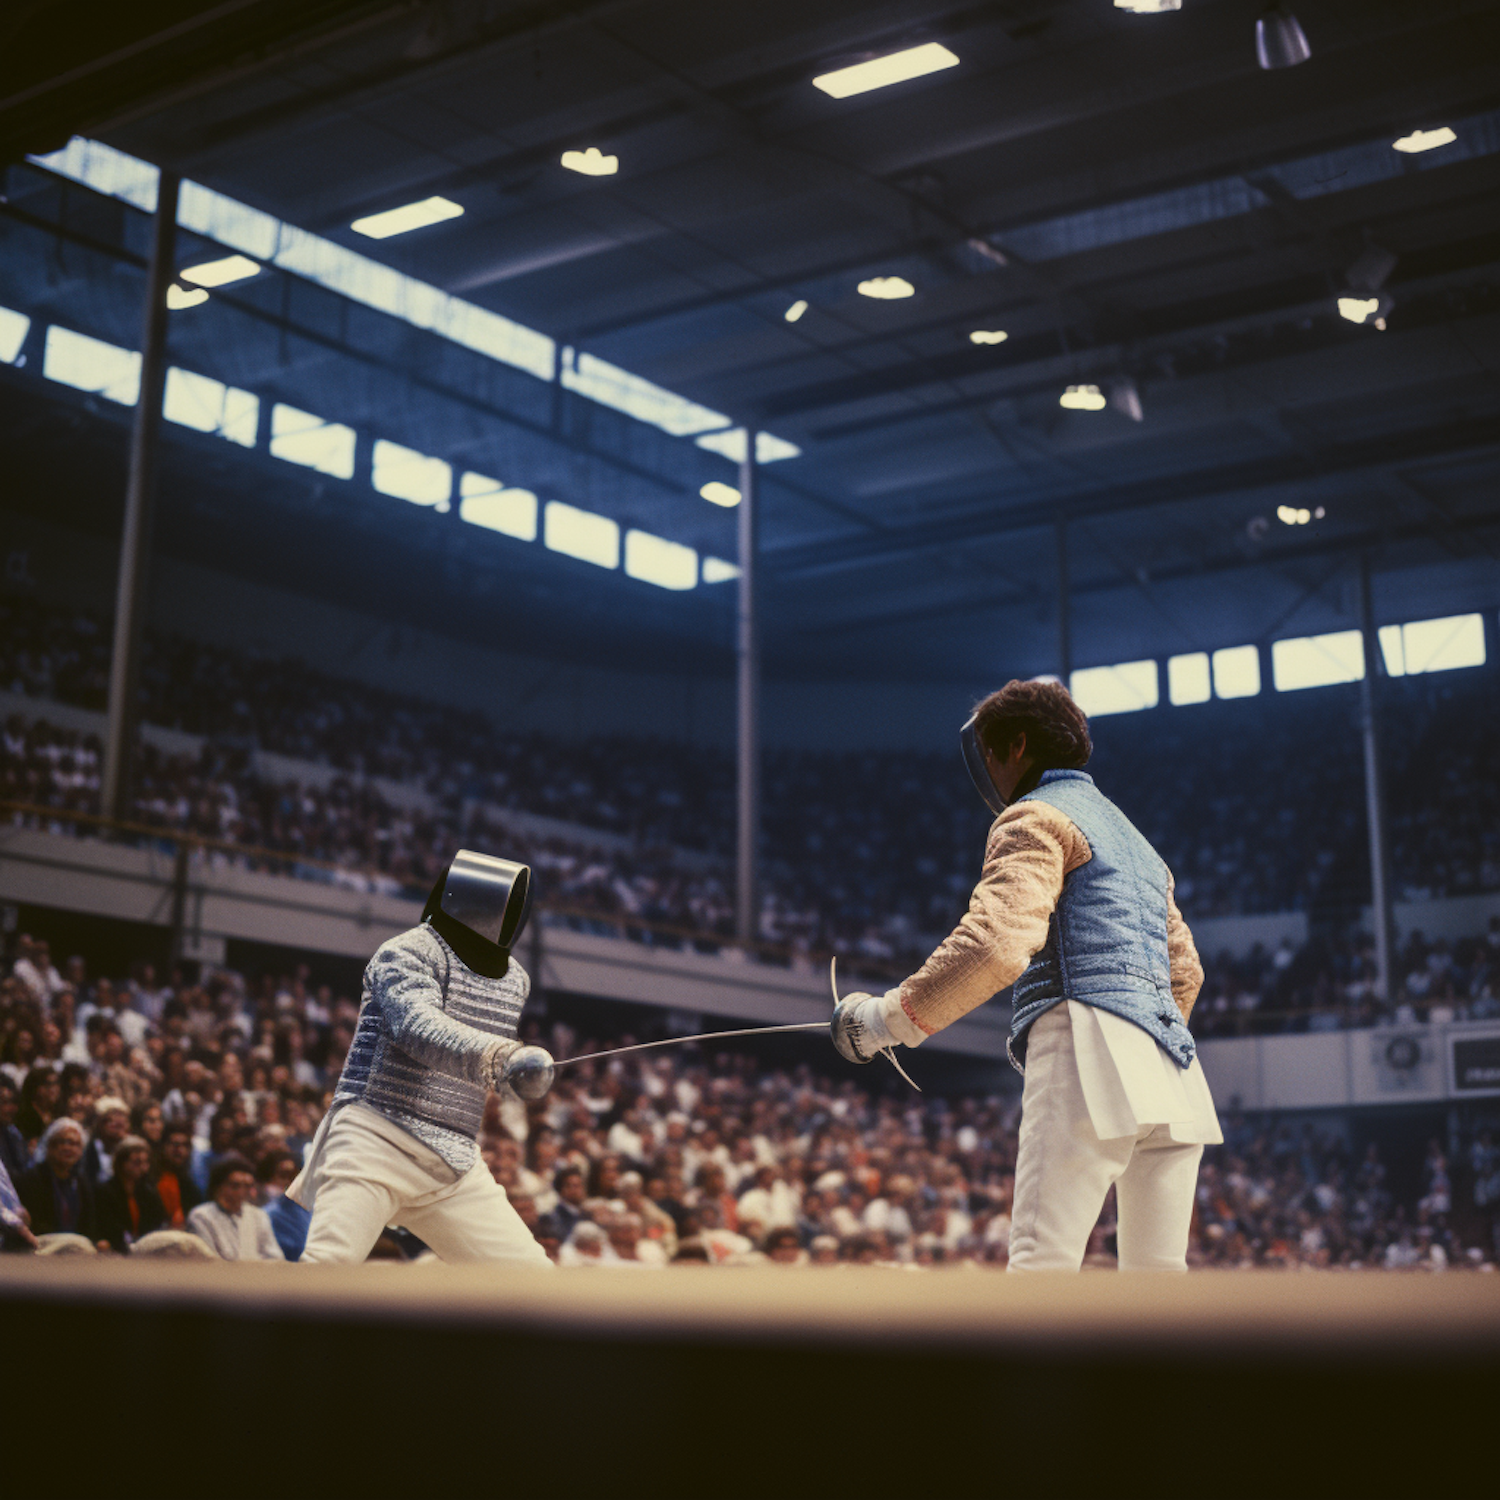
479,906
978,770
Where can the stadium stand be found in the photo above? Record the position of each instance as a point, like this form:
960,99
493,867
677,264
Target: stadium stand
707,1155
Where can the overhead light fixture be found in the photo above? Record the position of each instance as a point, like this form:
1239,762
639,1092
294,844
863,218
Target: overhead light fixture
1279,40
1148,7
795,311
895,67
592,163
1424,140
1125,396
988,336
220,272
1362,309
180,298
1082,398
409,216
1294,515
720,494
886,288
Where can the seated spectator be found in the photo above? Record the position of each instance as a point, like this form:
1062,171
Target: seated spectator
571,1195
174,1182
236,1228
128,1205
111,1126
14,1156
57,1193
289,1220
785,1248
587,1246
41,1103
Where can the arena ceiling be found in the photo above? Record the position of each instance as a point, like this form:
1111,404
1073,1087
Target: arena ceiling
1129,198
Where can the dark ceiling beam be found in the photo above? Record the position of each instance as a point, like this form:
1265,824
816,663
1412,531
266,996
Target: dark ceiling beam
1382,541
1473,436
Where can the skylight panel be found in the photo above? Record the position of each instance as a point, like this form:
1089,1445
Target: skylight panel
1433,645
1425,140
581,534
208,405
1188,679
730,444
409,216
1317,660
92,365
223,272
716,570
1125,688
1236,672
591,163
302,437
611,386
497,507
409,475
653,559
720,494
879,72
14,326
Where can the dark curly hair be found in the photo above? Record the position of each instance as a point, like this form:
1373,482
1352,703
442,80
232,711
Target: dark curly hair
1056,729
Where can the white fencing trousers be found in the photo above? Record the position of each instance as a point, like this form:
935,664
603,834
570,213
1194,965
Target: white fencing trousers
1064,1171
368,1173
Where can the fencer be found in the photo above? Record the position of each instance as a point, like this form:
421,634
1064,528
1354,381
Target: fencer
1077,911
436,1033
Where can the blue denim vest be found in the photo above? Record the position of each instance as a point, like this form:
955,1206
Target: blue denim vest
1107,941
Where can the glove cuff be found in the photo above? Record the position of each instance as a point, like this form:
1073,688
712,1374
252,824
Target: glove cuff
495,1058
900,1025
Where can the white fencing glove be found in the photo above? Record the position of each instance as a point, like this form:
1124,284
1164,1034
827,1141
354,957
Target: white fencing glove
864,1026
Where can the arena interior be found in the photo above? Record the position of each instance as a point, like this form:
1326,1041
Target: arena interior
629,437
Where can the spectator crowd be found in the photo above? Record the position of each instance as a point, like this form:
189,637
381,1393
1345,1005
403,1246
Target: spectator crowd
1255,804
138,1113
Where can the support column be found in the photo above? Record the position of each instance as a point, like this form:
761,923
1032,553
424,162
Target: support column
1380,863
1064,606
140,487
747,652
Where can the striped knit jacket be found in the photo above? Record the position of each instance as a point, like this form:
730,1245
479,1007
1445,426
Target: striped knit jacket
425,1024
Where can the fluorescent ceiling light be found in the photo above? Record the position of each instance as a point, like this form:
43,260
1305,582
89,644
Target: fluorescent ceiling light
886,288
180,298
406,218
895,67
1358,309
220,272
795,311
988,336
1148,7
592,163
1425,140
1082,398
720,494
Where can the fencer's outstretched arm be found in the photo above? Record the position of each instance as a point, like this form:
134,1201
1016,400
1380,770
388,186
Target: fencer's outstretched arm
407,985
1031,847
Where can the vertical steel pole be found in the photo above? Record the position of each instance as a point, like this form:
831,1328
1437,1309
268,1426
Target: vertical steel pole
135,539
1380,862
1064,606
747,650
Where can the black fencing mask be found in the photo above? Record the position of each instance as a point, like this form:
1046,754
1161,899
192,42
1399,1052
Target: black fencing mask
479,906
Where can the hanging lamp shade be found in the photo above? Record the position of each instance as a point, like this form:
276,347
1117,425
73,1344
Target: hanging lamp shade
1279,40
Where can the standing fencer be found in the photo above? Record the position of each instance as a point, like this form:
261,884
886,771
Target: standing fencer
436,1033
1076,909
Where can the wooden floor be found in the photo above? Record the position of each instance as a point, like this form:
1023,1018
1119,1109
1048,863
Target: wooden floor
433,1380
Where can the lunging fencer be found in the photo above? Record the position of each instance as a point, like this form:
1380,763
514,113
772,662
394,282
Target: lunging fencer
436,1033
1076,910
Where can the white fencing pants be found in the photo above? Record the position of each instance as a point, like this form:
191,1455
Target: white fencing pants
369,1173
1064,1172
